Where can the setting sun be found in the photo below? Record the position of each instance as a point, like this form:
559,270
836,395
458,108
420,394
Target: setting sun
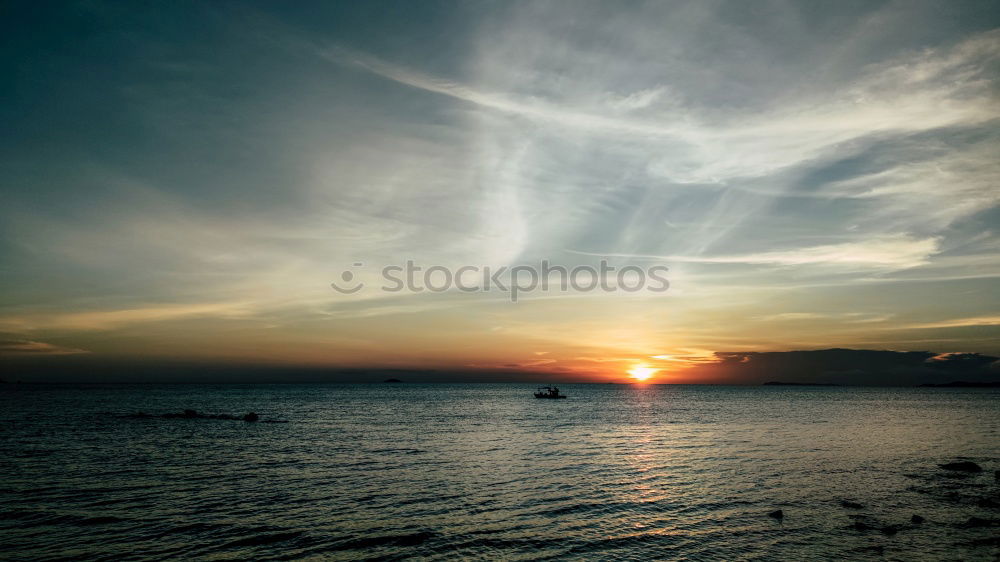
642,372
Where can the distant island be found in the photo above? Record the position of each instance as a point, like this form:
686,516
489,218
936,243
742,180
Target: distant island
783,383
392,380
963,384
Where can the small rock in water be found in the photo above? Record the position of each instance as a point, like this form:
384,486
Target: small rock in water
777,514
889,530
962,466
867,523
196,415
851,505
917,519
980,522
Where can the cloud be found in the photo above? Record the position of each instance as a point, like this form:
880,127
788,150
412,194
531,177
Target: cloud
113,319
847,366
960,360
952,323
934,89
533,108
847,317
20,348
910,189
636,100
898,251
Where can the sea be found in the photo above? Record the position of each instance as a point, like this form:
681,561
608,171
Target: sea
487,472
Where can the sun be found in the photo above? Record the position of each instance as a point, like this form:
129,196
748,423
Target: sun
642,372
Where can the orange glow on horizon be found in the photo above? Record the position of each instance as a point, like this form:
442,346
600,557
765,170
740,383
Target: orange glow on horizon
642,372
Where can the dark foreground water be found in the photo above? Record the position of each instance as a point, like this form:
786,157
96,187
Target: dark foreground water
487,471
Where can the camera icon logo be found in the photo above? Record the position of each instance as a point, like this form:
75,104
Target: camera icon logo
347,276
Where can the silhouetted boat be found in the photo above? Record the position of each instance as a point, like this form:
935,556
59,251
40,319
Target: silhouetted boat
548,392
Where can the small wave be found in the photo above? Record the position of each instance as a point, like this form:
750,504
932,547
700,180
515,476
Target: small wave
186,529
399,451
412,539
259,540
504,544
604,508
100,520
627,541
427,499
37,518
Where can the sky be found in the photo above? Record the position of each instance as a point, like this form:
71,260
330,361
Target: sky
183,181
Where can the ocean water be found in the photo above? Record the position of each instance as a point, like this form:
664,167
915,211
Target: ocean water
480,471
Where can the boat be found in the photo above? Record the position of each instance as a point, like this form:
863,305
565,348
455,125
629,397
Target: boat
551,392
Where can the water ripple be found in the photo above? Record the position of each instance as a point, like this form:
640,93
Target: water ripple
483,471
